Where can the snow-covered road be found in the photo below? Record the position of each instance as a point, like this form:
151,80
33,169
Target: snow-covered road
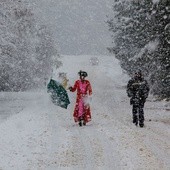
42,136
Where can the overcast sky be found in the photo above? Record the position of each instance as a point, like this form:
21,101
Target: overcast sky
78,25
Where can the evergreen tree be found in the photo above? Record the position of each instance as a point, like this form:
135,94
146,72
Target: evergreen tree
162,22
27,49
140,41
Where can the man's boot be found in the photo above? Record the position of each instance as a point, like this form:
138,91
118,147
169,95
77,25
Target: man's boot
135,120
141,125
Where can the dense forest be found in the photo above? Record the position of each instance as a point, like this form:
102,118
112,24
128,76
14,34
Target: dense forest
27,50
140,31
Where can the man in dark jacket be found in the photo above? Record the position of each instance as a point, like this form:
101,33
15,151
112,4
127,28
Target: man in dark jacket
138,90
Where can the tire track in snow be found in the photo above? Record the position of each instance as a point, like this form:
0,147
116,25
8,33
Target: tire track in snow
106,152
89,155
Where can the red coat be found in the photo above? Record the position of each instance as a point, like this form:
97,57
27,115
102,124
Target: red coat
81,95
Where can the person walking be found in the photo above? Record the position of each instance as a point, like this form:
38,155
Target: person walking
138,90
82,113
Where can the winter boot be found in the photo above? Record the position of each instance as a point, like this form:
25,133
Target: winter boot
141,124
80,123
135,120
84,123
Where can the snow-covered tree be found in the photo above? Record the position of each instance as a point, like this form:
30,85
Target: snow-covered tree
161,87
27,50
140,40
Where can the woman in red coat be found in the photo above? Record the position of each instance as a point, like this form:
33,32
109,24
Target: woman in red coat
82,112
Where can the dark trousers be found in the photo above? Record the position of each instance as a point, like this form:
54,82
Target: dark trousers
138,109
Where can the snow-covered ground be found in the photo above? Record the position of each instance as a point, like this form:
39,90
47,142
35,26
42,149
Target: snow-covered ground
37,135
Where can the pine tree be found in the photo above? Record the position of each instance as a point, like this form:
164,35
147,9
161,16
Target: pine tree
162,26
140,41
26,50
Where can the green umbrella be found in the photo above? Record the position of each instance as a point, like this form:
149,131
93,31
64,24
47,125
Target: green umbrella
58,94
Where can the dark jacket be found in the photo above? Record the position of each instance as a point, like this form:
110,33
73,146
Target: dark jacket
138,90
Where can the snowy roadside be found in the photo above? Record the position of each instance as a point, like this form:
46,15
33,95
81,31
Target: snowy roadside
24,135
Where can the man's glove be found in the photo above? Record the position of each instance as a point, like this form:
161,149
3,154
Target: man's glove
129,94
